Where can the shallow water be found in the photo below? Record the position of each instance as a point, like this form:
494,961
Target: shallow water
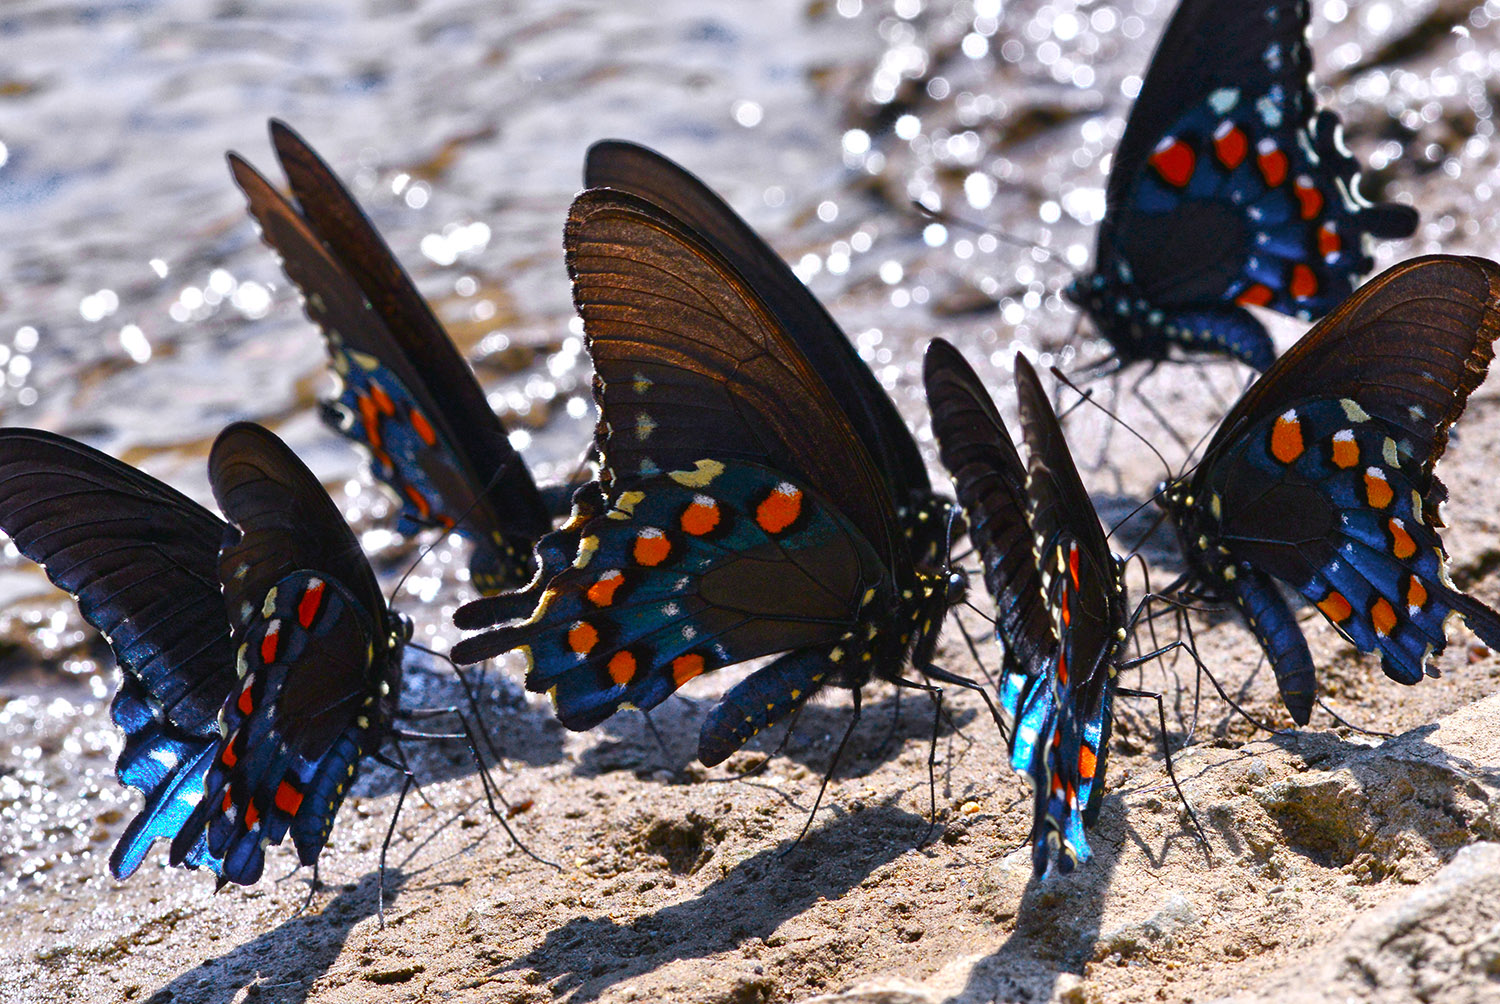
140,312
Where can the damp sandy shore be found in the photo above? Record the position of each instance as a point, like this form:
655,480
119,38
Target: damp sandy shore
1341,864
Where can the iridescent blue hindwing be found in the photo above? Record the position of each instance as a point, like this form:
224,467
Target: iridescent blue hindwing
688,571
307,710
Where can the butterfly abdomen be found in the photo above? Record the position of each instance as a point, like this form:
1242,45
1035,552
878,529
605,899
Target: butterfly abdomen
762,699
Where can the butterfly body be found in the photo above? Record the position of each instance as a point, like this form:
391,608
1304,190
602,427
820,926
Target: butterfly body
1230,189
745,508
258,658
1322,477
405,393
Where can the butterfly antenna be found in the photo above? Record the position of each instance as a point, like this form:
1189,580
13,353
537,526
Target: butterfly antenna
1063,377
478,496
974,651
973,226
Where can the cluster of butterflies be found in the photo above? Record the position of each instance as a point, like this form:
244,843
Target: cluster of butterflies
756,492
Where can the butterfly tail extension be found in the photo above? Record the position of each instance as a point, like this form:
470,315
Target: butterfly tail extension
1275,628
761,700
1384,220
555,552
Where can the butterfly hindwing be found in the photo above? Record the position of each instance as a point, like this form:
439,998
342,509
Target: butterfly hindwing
306,712
1229,189
668,584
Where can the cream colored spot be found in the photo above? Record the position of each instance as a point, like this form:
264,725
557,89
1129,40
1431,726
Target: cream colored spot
703,472
1352,411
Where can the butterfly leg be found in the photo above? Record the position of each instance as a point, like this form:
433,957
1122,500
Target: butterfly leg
661,743
833,765
1161,716
385,846
486,782
943,676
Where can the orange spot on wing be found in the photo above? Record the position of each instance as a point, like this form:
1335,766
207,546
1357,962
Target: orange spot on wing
1304,282
424,508
602,592
228,802
1062,665
1257,295
1402,546
371,419
701,516
1383,617
252,814
288,799
382,400
582,637
310,603
1328,240
685,667
1230,145
1345,451
1273,165
246,703
1174,161
1067,613
651,548
1073,566
1336,607
228,757
270,642
780,509
1087,763
424,428
621,667
1286,438
1377,490
1310,200
1416,593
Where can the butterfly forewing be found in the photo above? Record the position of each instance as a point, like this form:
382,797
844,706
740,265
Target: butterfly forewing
990,480
691,363
647,174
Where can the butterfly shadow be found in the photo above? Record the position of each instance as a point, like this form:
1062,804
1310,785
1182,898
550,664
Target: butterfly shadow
585,957
285,963
670,754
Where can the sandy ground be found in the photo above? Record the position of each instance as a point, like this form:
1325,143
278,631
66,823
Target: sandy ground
1340,863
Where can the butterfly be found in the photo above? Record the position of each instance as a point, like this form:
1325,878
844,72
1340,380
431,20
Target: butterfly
259,661
406,394
1060,603
1230,188
1321,476
758,493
